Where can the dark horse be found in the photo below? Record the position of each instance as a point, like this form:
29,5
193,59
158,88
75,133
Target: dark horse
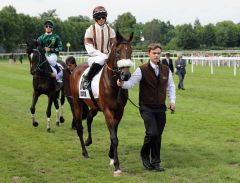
44,83
112,99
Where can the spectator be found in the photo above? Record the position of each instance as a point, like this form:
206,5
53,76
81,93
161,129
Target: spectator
168,61
180,65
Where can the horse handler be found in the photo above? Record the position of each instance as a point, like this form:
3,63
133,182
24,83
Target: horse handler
155,83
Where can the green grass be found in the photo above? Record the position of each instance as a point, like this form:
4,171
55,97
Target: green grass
201,140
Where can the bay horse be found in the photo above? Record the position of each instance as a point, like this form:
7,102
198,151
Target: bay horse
44,83
112,99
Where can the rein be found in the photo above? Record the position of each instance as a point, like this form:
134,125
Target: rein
39,64
135,105
115,71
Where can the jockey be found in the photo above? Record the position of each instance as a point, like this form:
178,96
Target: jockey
51,45
98,41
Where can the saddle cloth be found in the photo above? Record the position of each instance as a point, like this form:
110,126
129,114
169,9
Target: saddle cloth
83,92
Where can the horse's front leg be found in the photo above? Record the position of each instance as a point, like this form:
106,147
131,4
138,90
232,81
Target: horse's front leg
114,149
32,109
48,112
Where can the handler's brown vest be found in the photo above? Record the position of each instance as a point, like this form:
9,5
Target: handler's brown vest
152,88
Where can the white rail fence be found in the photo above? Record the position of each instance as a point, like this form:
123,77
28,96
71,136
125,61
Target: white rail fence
214,62
141,57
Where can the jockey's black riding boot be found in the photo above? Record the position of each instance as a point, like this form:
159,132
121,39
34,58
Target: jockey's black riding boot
94,69
57,68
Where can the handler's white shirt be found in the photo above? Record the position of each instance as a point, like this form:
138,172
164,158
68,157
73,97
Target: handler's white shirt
137,76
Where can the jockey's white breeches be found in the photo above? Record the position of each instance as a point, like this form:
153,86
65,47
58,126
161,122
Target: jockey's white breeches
99,59
52,59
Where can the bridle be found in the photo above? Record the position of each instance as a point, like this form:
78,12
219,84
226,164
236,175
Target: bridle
39,62
117,71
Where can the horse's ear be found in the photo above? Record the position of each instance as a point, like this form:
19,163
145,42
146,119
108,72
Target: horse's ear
131,37
119,37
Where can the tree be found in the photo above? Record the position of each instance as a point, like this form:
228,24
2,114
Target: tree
126,24
73,31
226,34
209,37
50,14
10,28
186,37
158,31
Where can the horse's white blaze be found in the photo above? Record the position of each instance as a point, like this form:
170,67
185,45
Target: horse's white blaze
125,63
117,173
111,162
48,123
57,115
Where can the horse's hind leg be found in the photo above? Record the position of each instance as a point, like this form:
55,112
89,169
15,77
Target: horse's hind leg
62,100
90,117
57,110
78,116
32,109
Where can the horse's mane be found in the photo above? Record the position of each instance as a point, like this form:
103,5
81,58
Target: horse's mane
31,45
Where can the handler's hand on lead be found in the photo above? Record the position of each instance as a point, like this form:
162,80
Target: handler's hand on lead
46,49
119,83
172,106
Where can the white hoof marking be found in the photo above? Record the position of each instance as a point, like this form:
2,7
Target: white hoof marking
111,162
117,173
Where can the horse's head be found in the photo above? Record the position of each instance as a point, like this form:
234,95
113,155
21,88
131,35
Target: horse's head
34,55
120,57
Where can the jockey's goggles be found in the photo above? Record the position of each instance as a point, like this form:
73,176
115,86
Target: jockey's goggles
48,26
100,17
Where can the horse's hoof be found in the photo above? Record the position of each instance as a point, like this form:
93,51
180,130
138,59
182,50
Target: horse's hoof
85,155
117,173
35,124
49,130
62,119
57,123
88,142
111,162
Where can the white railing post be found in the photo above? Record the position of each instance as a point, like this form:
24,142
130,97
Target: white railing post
234,68
211,62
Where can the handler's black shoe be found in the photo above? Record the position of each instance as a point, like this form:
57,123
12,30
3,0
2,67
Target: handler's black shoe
146,163
157,168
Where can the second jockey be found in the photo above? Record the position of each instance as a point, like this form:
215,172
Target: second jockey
51,46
